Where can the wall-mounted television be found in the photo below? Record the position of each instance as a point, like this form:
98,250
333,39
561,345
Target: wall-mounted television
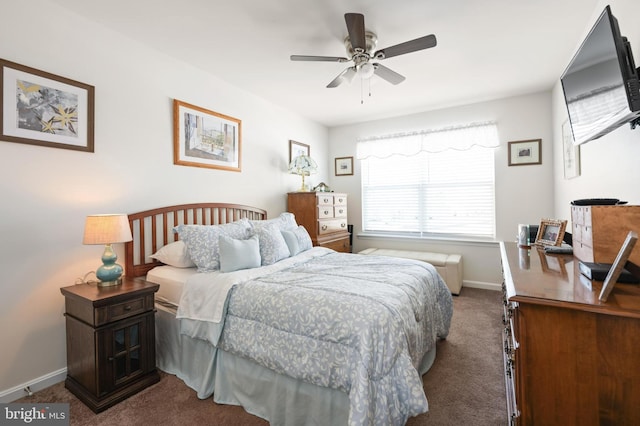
600,85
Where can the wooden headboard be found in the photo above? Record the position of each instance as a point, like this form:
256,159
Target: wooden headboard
153,229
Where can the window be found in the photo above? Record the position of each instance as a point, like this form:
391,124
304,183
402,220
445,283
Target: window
436,183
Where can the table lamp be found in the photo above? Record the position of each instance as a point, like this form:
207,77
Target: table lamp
303,165
107,229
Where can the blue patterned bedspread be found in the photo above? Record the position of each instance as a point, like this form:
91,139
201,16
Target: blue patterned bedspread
356,323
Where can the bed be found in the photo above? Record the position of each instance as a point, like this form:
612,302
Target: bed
310,336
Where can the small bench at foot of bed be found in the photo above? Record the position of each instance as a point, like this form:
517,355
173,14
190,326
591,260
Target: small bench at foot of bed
449,266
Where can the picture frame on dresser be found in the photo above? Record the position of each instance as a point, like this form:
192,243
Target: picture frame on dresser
618,265
551,232
40,108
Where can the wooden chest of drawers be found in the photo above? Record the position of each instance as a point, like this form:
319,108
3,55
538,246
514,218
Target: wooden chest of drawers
570,359
324,215
599,231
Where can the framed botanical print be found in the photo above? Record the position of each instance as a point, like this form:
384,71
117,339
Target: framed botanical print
40,108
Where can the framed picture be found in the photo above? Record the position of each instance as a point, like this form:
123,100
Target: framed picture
298,148
203,138
551,232
570,153
39,108
344,166
524,153
618,265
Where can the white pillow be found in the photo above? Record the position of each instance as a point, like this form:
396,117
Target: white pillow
174,254
202,241
297,240
286,221
239,254
273,247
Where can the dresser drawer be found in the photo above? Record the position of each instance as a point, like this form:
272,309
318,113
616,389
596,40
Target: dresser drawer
340,211
329,226
340,200
325,200
325,212
341,245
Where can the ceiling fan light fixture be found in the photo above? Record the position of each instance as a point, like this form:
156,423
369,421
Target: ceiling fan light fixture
366,71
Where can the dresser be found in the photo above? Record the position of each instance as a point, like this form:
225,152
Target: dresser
324,216
569,358
110,341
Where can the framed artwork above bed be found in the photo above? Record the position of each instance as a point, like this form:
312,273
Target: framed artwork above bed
39,108
204,138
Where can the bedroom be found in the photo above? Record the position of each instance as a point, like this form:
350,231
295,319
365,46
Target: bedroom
47,193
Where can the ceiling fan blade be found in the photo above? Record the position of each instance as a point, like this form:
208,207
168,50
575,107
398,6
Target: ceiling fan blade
407,47
387,74
318,58
355,26
346,75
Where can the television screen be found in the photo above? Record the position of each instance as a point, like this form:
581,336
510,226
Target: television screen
595,82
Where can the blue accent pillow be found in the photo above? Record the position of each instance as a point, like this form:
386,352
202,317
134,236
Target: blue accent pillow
203,241
239,254
272,244
297,240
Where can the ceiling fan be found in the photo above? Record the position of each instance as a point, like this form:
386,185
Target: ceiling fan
361,45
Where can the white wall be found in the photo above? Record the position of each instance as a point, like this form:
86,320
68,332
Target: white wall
46,193
524,194
610,166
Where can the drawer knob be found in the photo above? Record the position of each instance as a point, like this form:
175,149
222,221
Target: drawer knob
324,227
340,211
127,307
326,212
342,225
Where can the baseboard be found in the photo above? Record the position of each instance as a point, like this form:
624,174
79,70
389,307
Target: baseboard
482,285
34,385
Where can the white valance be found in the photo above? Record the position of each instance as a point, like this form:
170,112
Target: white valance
457,138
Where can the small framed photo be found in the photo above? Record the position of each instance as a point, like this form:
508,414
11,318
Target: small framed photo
344,166
551,232
618,265
524,153
203,138
297,149
39,108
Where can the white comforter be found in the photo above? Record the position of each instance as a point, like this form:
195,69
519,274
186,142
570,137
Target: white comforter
356,323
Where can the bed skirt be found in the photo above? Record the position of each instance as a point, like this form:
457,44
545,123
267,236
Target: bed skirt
233,380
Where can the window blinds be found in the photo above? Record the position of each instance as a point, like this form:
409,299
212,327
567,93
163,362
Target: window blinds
422,191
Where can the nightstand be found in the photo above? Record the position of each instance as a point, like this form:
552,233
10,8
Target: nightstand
110,341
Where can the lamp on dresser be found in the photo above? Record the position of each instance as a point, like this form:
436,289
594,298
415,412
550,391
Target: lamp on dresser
303,165
107,229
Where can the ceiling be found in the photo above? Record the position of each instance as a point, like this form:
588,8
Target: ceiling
487,49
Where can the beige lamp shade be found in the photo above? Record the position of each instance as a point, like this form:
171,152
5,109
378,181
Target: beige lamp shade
107,229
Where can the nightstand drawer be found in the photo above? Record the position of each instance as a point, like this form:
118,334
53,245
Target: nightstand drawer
125,309
122,310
